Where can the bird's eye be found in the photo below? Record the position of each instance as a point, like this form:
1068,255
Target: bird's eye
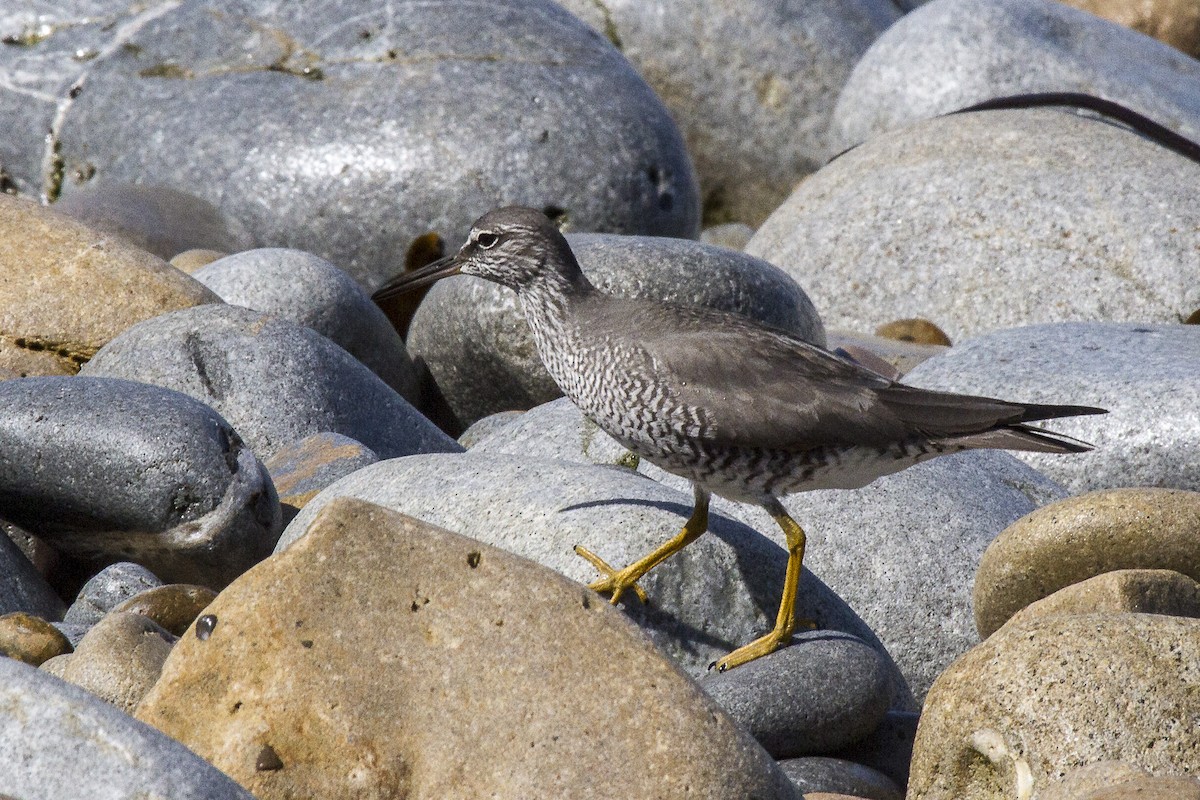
487,240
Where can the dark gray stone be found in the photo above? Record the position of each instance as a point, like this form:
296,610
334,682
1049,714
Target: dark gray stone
951,54
752,84
58,742
888,749
308,290
718,593
835,776
993,220
824,691
22,588
348,129
111,470
107,589
1147,376
156,218
274,380
472,333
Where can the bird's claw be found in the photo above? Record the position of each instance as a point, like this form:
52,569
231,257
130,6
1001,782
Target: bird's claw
615,581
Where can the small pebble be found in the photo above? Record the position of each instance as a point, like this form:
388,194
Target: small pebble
30,639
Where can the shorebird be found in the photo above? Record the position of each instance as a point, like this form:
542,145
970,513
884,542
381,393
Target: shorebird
740,409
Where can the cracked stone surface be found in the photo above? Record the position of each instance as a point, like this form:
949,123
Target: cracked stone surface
343,129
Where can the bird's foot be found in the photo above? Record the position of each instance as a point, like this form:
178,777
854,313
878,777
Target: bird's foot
760,647
615,581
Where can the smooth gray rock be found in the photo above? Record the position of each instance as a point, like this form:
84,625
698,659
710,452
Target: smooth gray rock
483,428
554,430
718,593
22,588
824,691
993,220
348,129
274,380
472,333
836,776
111,470
888,749
162,220
950,54
308,290
57,742
1147,376
107,589
752,84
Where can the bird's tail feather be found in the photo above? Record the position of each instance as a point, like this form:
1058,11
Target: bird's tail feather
1022,437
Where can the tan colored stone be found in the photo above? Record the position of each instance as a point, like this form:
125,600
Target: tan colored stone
1081,537
1151,787
191,260
119,659
1175,22
1035,700
380,656
174,607
1116,780
30,639
69,289
1134,591
57,665
919,331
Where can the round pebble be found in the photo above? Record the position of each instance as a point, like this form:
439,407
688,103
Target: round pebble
30,639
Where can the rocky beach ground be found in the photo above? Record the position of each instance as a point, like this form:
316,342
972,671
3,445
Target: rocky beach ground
268,539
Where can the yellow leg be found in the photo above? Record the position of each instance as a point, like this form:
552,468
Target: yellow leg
785,621
617,581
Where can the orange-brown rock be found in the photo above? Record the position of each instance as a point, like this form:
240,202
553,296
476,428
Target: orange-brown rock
1176,22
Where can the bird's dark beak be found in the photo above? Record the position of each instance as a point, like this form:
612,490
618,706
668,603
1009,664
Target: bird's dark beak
426,275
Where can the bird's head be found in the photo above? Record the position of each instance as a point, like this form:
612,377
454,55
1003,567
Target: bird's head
516,247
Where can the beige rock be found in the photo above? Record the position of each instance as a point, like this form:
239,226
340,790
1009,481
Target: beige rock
380,656
119,659
57,665
191,260
1019,711
1135,591
902,356
67,289
1081,537
917,330
1176,22
1096,781
174,606
30,639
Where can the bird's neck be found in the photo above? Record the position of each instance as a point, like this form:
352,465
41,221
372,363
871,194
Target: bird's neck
549,305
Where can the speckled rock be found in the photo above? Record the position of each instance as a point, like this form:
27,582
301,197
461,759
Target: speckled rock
1174,22
140,473
22,588
1134,591
1042,698
825,691
993,220
483,428
308,465
1144,375
718,593
900,552
472,333
951,54
164,221
752,85
888,749
107,589
119,659
191,260
173,607
820,775
58,742
348,130
308,290
733,235
465,656
30,639
68,289
274,380
1081,537
1116,780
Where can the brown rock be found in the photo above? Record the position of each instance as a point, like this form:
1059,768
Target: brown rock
1035,700
1124,781
30,639
67,289
1176,22
191,260
380,656
916,330
1081,537
173,607
1151,787
119,659
1133,591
